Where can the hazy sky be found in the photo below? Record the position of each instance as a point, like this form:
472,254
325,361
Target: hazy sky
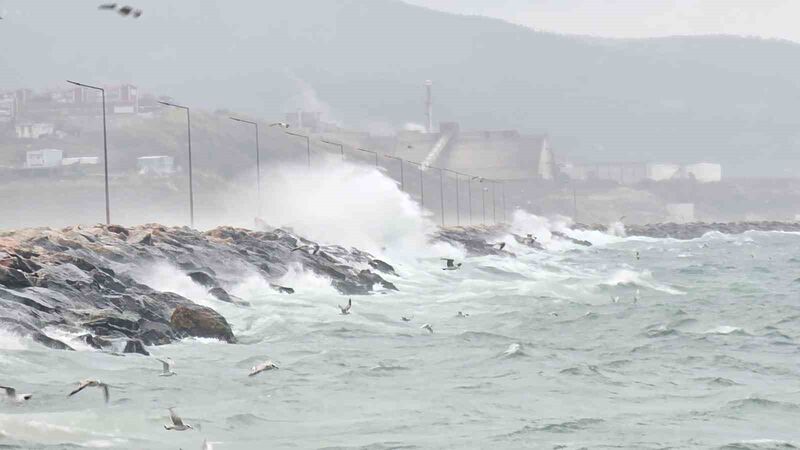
640,18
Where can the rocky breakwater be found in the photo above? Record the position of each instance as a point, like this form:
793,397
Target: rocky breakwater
695,230
84,280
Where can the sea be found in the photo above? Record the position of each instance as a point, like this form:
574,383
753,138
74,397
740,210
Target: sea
632,343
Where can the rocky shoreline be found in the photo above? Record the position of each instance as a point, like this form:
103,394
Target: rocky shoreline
84,279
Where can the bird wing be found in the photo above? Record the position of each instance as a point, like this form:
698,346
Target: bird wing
11,392
449,261
316,248
175,418
137,13
349,304
105,392
125,10
108,6
165,365
82,386
297,248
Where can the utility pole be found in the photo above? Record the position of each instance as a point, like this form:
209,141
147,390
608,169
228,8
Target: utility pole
258,161
105,144
189,133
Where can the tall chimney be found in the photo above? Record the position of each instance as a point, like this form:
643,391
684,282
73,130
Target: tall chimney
429,106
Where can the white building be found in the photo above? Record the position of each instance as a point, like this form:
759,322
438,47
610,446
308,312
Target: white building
81,161
45,158
704,172
155,165
663,171
33,130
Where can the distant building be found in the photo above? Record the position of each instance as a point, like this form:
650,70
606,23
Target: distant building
33,130
155,165
81,161
491,154
663,171
622,173
43,159
704,172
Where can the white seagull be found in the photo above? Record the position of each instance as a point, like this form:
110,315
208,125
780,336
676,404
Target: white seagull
166,368
263,367
279,124
177,422
450,264
346,309
12,395
428,327
91,383
499,245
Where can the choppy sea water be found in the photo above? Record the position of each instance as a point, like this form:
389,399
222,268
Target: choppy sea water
707,358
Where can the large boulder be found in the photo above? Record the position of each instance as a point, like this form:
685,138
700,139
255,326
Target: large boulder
13,278
200,321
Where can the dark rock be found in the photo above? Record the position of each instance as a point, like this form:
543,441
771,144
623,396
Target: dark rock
155,333
13,278
203,279
141,238
282,289
223,296
94,341
200,321
118,229
135,346
382,266
571,239
371,279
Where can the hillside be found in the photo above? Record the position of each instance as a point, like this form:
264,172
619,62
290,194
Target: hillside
726,99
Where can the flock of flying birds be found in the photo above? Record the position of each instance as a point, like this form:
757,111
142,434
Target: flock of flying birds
177,423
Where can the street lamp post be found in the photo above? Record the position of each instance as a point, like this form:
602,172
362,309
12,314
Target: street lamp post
258,161
370,151
494,202
189,134
105,143
469,197
458,202
308,145
483,195
341,146
402,182
441,190
503,190
421,186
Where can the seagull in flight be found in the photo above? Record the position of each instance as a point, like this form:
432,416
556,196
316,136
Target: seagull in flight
91,383
263,367
311,249
111,6
177,422
167,368
127,10
529,239
346,309
450,264
12,395
461,315
279,124
428,327
406,319
499,245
